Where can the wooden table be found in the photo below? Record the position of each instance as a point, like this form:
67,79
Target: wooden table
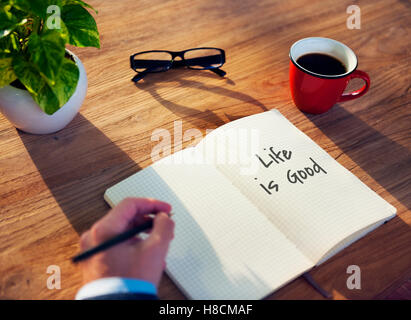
51,186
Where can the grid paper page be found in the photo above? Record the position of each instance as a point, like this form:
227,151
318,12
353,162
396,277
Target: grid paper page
323,210
224,248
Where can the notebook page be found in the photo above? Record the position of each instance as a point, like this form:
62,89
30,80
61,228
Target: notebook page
348,241
224,248
316,208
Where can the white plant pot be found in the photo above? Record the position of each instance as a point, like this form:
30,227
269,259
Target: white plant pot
24,113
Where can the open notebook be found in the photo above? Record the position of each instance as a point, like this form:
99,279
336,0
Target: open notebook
246,228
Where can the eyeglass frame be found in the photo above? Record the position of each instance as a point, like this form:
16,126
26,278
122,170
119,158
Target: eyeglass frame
182,63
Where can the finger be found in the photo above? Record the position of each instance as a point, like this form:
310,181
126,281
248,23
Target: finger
85,240
135,240
133,211
129,212
163,229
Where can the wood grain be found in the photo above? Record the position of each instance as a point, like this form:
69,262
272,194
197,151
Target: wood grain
51,187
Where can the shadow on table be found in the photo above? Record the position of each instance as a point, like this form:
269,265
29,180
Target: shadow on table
386,161
78,164
200,119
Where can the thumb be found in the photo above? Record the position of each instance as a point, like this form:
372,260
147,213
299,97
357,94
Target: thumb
163,229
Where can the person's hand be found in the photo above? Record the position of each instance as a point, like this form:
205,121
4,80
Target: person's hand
135,258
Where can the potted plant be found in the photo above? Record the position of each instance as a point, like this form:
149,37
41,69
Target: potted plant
42,84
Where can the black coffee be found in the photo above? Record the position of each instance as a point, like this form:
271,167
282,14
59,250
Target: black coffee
321,63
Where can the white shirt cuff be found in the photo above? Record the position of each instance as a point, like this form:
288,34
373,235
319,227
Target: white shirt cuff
115,285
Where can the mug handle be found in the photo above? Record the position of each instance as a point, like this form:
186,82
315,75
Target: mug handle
360,92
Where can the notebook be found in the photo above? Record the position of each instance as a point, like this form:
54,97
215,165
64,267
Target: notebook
256,204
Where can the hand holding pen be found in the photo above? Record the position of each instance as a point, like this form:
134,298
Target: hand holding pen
115,249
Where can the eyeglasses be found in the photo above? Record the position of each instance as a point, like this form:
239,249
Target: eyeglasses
161,60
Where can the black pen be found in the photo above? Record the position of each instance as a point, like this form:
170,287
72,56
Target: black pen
113,241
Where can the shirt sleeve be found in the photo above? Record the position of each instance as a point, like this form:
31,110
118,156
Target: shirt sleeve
115,285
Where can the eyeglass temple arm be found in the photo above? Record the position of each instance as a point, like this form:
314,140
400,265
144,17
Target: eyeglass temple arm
140,75
205,61
218,71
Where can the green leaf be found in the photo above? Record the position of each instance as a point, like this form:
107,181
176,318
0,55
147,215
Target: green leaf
27,73
80,2
62,30
66,82
81,26
7,74
9,23
37,7
47,52
6,45
49,98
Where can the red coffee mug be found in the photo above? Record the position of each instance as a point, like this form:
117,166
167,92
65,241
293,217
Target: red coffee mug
317,93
